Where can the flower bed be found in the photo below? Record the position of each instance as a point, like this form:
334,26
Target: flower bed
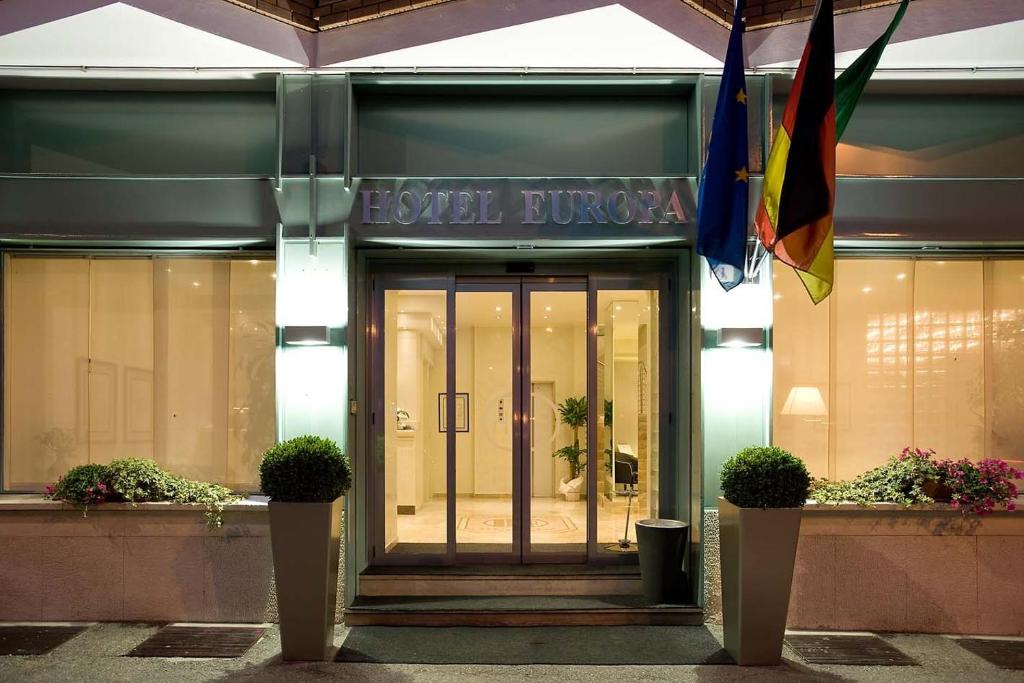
134,480
915,477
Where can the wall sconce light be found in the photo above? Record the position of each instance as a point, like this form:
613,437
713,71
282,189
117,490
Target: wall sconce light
735,338
306,335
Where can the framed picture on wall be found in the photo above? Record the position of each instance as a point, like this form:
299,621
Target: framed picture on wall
461,412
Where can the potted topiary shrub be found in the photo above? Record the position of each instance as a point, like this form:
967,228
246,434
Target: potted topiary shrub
305,479
763,491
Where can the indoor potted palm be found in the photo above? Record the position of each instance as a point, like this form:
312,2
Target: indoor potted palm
573,413
763,492
305,479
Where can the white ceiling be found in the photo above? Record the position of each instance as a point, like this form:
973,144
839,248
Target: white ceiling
119,35
547,309
1001,45
604,37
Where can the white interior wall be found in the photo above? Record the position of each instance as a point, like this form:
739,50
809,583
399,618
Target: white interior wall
556,358
492,459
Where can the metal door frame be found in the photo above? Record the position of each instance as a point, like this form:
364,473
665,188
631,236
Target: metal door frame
520,286
515,556
529,286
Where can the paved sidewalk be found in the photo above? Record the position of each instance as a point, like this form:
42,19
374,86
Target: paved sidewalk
96,655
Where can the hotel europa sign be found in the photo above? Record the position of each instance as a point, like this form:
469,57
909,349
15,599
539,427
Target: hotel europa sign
551,202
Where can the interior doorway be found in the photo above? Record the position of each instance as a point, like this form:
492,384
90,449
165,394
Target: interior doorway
543,433
487,396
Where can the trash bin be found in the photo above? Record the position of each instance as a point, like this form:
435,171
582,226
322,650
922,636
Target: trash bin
662,544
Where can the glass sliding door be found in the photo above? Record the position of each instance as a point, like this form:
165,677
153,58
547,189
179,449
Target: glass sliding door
486,430
516,419
628,414
556,456
412,493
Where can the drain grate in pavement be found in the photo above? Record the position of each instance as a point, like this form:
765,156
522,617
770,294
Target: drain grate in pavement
35,640
198,641
848,650
1006,654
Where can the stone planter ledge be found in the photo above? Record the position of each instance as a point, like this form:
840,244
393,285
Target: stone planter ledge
33,501
813,506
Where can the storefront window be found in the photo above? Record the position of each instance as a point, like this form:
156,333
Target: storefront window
905,352
163,358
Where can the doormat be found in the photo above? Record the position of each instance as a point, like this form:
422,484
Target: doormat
488,524
848,650
1006,654
594,645
35,640
199,641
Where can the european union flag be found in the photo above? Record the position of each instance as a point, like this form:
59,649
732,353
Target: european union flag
722,199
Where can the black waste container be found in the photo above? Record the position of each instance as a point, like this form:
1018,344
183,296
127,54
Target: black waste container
662,544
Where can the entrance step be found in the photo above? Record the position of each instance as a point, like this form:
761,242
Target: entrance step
564,610
538,580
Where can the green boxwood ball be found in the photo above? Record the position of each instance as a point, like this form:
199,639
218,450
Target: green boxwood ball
306,469
765,477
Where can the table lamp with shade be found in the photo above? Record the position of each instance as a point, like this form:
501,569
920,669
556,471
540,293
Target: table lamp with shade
805,402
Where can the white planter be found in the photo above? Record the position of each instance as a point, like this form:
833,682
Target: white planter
571,489
758,552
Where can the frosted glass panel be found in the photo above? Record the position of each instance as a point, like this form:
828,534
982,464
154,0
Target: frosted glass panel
974,136
93,132
46,329
925,353
527,135
800,347
251,370
1004,375
949,360
163,358
191,352
312,390
121,369
735,383
874,409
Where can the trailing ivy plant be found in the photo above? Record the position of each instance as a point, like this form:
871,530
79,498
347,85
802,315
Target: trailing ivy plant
974,487
137,480
573,412
900,480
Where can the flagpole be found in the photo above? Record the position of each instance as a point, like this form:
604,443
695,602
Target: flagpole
757,259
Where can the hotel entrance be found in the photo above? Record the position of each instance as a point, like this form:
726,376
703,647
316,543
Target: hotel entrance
517,419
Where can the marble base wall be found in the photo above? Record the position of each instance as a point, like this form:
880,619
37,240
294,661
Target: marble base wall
142,564
923,571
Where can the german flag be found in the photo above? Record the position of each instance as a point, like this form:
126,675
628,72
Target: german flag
794,217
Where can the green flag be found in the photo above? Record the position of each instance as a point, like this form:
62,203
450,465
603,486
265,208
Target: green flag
851,82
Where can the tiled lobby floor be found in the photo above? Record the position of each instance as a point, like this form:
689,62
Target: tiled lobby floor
489,521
